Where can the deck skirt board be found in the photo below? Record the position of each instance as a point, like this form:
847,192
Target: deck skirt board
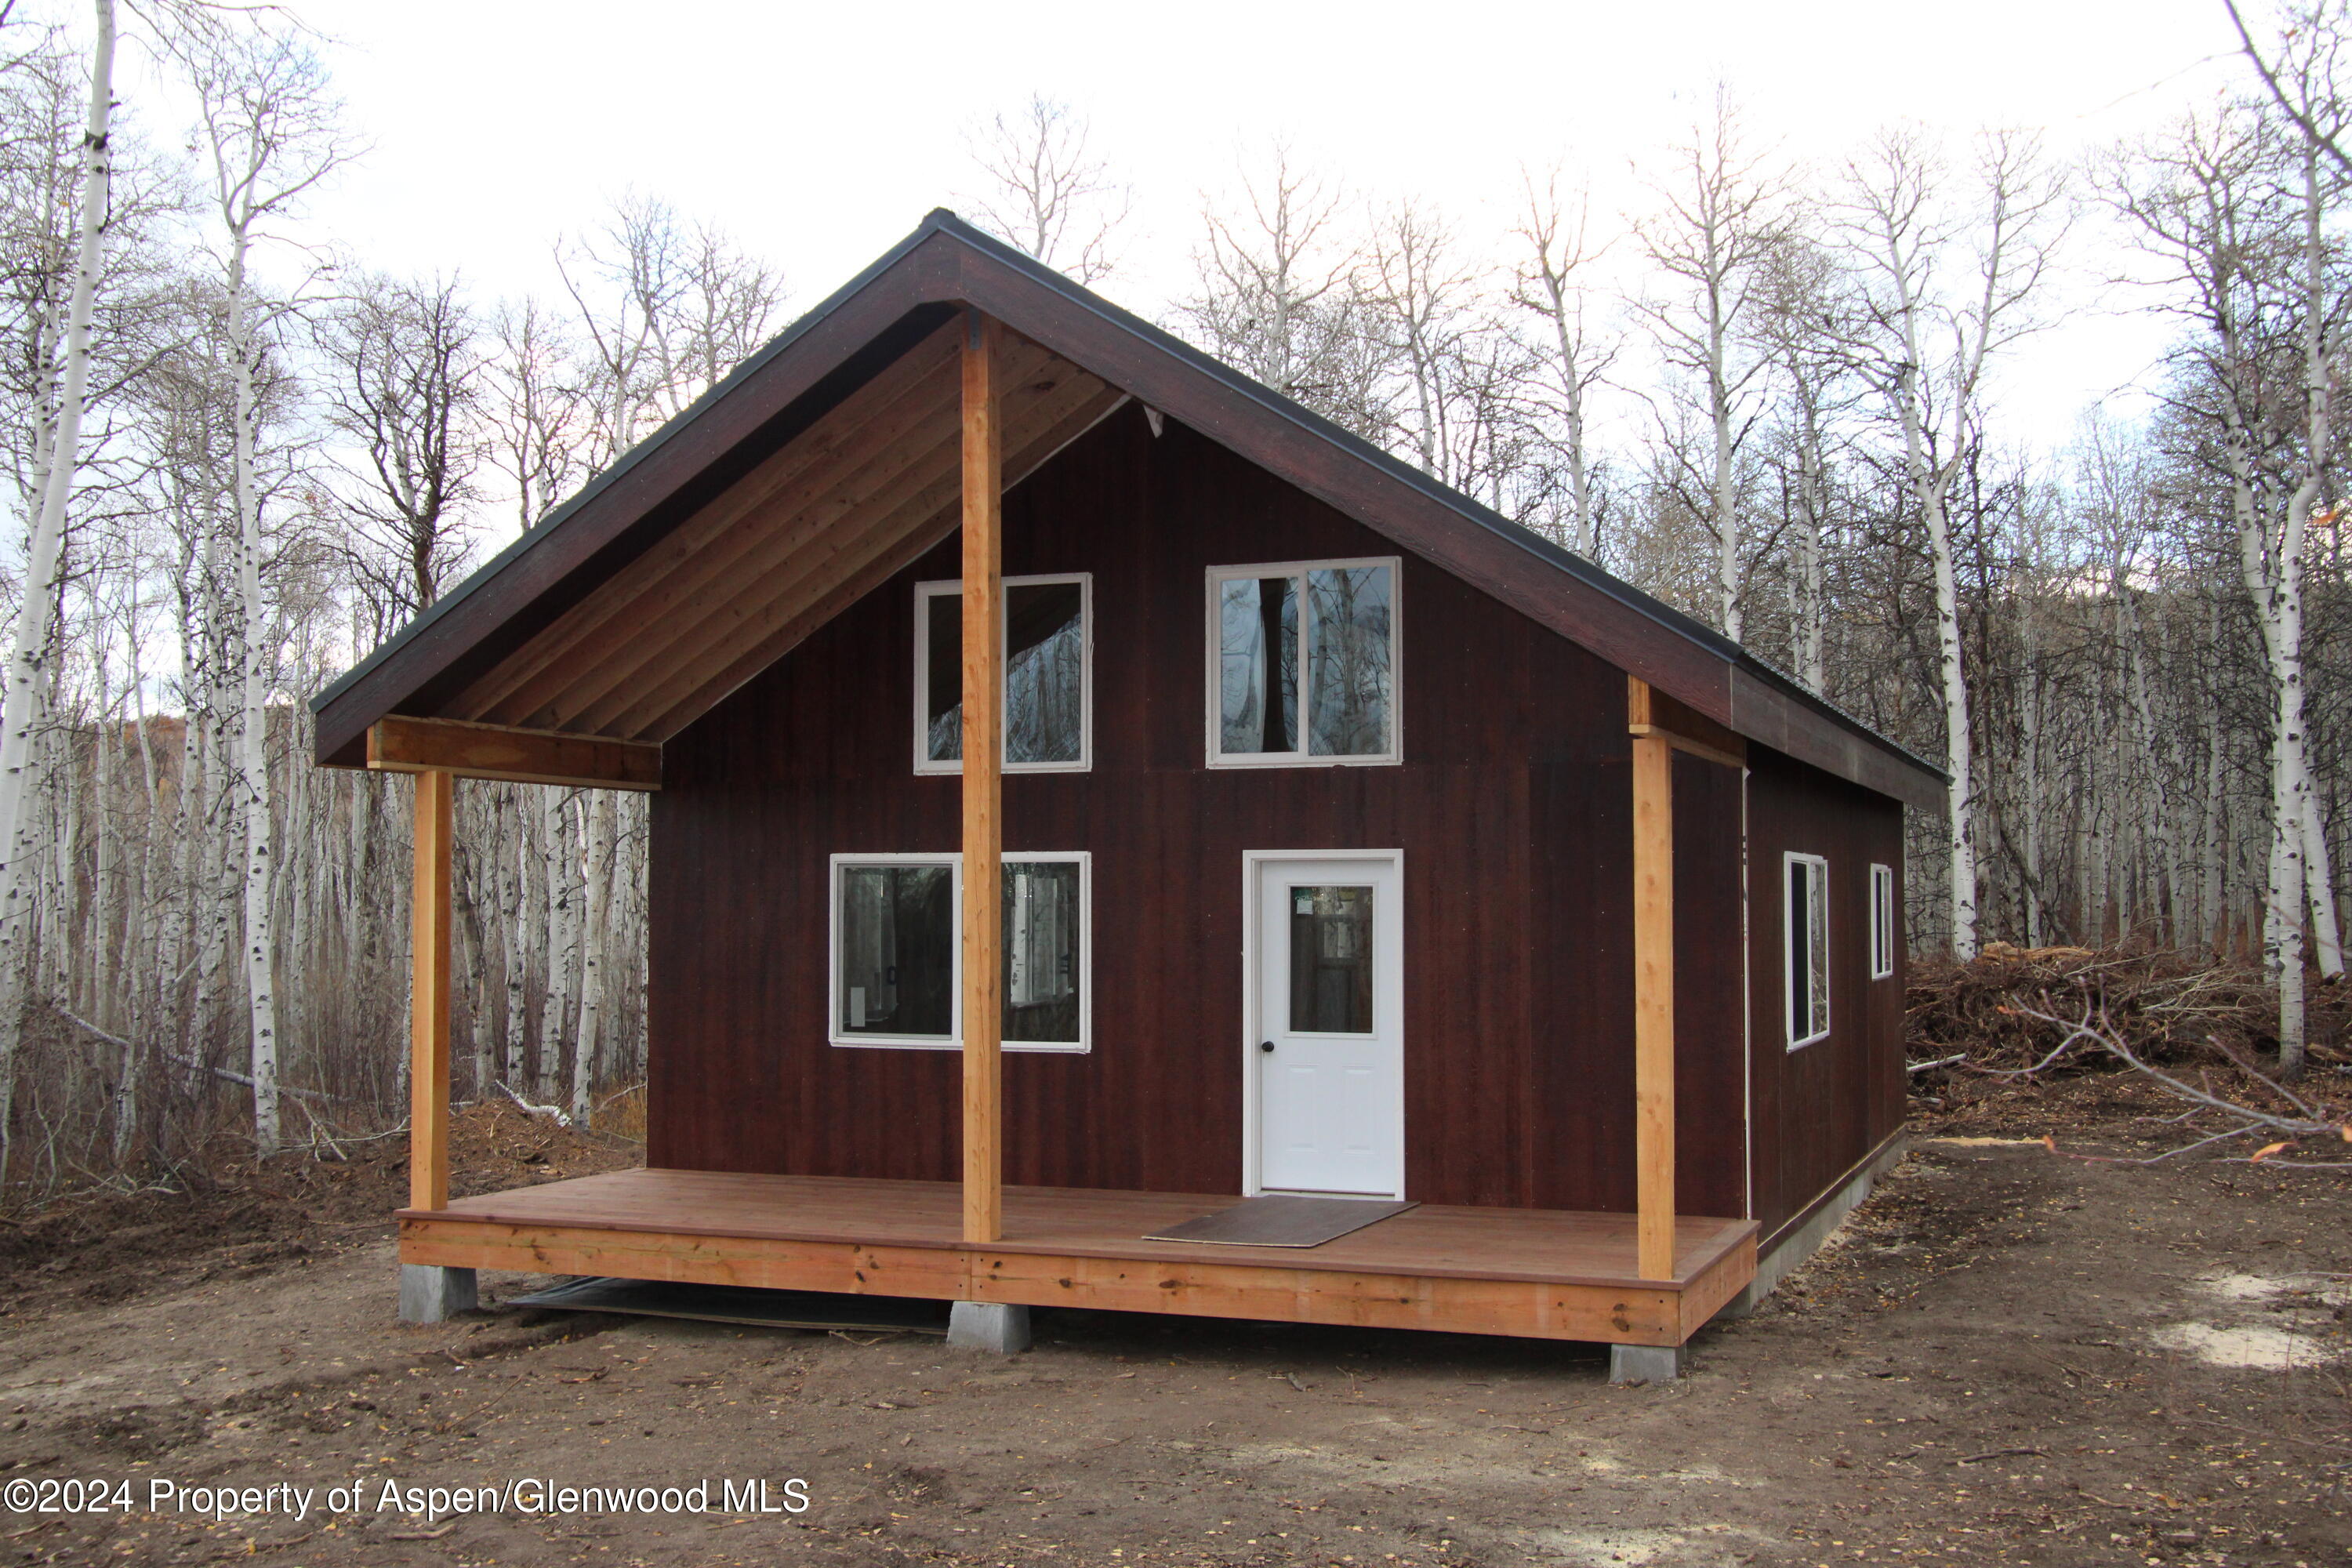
1546,1273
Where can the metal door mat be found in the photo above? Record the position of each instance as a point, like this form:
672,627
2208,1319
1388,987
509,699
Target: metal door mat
1283,1221
743,1304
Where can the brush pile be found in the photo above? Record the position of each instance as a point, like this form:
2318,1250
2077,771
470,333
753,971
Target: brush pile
2113,1046
2175,1008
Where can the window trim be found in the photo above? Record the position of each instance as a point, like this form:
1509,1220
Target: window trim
953,1041
925,593
1789,860
1213,725
1882,922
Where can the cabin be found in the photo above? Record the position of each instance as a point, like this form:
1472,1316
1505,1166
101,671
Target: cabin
1120,841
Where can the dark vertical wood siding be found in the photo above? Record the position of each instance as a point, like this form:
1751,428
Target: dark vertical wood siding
1820,1109
1511,808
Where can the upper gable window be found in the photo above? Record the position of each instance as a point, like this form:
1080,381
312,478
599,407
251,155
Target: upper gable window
1302,663
1048,675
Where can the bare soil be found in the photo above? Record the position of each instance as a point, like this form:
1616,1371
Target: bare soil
2007,1356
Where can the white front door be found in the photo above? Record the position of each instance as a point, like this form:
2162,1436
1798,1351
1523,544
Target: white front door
1329,1050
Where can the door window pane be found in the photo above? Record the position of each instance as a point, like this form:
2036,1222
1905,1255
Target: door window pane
1331,959
896,936
1348,661
1257,624
1041,952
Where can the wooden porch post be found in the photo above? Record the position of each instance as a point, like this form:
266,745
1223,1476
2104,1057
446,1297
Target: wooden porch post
983,689
1653,988
428,1007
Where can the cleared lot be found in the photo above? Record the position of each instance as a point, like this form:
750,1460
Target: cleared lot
2006,1357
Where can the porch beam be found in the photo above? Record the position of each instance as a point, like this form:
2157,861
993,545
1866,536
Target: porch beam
1654,989
428,1016
982,727
401,743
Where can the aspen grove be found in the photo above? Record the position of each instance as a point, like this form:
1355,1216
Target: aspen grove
1767,393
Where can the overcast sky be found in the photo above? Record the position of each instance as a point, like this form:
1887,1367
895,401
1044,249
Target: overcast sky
820,134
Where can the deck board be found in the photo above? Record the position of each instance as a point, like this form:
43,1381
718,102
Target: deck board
1545,1246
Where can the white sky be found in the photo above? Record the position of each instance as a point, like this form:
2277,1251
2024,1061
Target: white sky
820,134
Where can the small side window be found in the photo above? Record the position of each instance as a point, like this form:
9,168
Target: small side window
1882,922
1806,906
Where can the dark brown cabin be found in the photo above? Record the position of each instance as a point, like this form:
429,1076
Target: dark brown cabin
1337,838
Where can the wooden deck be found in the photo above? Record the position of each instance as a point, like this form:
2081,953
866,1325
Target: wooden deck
1540,1273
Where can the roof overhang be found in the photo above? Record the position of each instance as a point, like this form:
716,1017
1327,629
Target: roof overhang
813,473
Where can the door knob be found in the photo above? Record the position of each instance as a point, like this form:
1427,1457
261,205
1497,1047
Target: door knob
1266,1045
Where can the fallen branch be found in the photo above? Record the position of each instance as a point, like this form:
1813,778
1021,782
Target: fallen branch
1938,1062
2097,1031
229,1075
557,1111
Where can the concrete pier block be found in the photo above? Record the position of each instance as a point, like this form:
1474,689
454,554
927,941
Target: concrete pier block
431,1294
1644,1363
989,1326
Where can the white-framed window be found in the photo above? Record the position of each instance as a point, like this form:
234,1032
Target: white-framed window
1302,664
1048,675
1805,912
898,950
1882,922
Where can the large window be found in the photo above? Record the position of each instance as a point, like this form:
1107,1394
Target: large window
1806,904
898,950
1882,922
1302,663
1048,649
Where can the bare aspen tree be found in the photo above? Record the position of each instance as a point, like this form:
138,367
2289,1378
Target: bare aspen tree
1803,326
2235,211
27,668
1420,292
1047,193
1557,256
1951,284
404,395
665,309
1724,209
268,124
1277,295
535,410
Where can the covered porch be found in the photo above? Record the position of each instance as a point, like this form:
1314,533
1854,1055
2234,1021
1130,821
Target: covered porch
1534,1273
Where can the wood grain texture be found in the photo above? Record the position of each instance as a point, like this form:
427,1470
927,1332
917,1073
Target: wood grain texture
1513,807
1545,1274
428,1007
631,510
981,787
1654,1001
400,745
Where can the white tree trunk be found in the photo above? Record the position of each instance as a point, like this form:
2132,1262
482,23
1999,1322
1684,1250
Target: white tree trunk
1958,751
44,550
557,856
259,882
2319,878
598,896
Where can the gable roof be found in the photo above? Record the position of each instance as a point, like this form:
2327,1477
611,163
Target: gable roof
825,463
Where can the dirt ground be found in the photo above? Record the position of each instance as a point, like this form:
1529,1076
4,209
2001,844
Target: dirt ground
2007,1356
